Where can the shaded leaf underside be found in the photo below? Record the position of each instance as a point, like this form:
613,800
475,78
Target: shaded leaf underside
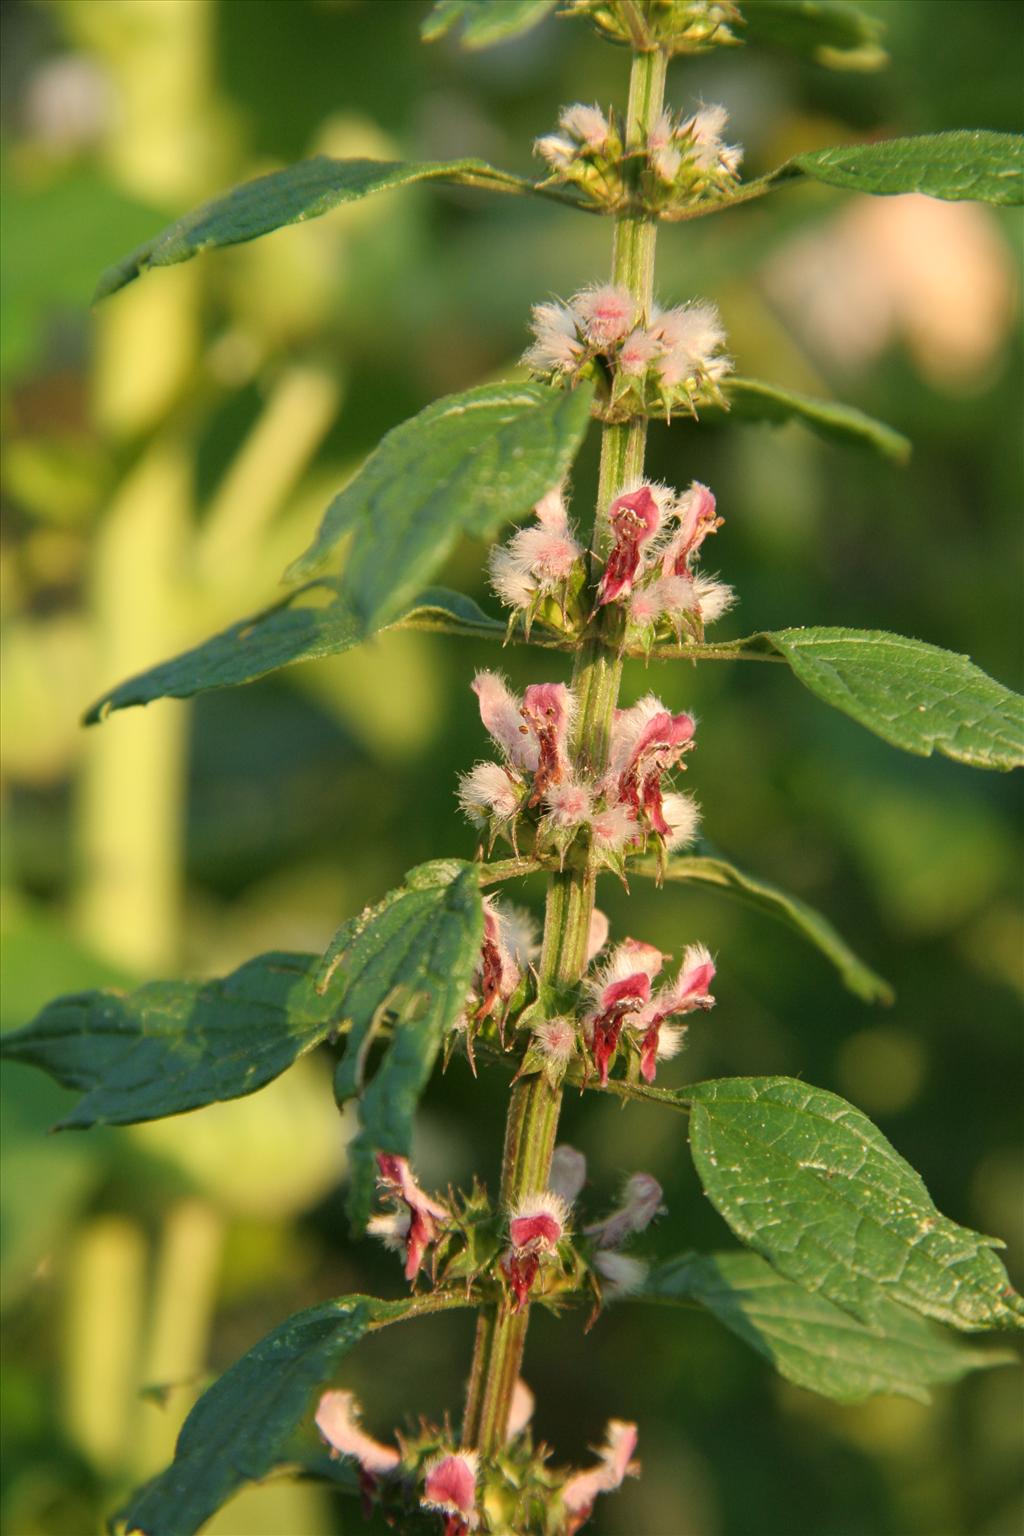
721,875
808,1339
306,190
173,1046
413,955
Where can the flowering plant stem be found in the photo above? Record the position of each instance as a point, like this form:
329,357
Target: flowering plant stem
534,1105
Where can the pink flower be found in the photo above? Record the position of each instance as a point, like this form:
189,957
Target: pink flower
568,1172
536,560
708,152
521,1409
536,1226
556,1040
569,803
556,149
682,815
537,1222
450,1488
641,1202
635,518
616,1455
500,712
606,314
597,936
588,125
557,347
337,1419
665,595
689,991
624,1275
548,710
614,828
647,741
488,790
692,336
621,987
637,352
713,597
504,952
697,518
395,1182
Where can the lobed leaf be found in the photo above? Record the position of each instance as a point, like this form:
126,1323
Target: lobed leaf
912,694
288,631
719,874
482,23
831,32
306,190
240,1428
466,464
412,956
754,400
173,1046
808,1339
808,1182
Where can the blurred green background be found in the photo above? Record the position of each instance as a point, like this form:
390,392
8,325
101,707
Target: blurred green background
163,460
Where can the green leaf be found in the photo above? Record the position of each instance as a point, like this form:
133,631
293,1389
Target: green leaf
808,1182
754,400
468,463
721,875
413,956
972,164
913,695
172,1046
303,191
483,22
290,630
830,32
240,1428
809,1340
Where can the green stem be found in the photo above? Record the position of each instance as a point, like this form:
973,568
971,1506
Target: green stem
532,1122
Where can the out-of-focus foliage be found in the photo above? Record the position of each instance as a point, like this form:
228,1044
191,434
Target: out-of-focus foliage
167,457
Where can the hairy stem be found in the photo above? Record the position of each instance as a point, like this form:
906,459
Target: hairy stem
534,1105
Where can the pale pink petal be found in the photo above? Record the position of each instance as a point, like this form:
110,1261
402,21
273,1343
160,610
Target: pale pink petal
580,1491
337,1419
568,1172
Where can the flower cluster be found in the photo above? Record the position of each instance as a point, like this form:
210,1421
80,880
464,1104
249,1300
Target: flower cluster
683,160
414,1223
650,572
657,537
537,786
651,365
540,572
425,1472
623,1012
623,1007
676,26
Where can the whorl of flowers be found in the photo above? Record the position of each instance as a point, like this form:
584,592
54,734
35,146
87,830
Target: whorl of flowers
536,786
671,360
651,572
540,567
625,1013
682,161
